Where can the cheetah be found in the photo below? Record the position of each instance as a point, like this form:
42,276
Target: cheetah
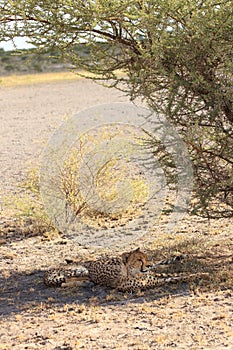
106,271
127,272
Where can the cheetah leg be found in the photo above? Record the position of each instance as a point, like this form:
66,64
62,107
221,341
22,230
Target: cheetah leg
151,280
173,260
56,277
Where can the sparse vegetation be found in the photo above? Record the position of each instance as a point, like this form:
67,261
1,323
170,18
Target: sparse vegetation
27,209
27,61
79,192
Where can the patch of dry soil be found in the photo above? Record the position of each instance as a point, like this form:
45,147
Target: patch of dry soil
91,317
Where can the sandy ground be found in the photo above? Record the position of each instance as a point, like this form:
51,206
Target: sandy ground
91,317
30,114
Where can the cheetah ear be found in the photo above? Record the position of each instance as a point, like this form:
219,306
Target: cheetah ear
125,257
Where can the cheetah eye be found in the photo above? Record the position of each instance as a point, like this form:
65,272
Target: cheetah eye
141,262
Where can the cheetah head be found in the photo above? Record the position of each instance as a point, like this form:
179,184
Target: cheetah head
136,261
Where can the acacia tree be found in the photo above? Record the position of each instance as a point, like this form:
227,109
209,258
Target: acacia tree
176,55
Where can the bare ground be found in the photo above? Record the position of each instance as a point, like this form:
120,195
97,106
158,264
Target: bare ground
195,315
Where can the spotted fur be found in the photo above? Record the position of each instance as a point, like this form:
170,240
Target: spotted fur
128,272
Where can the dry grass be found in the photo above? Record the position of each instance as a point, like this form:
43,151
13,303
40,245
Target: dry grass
40,78
18,80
